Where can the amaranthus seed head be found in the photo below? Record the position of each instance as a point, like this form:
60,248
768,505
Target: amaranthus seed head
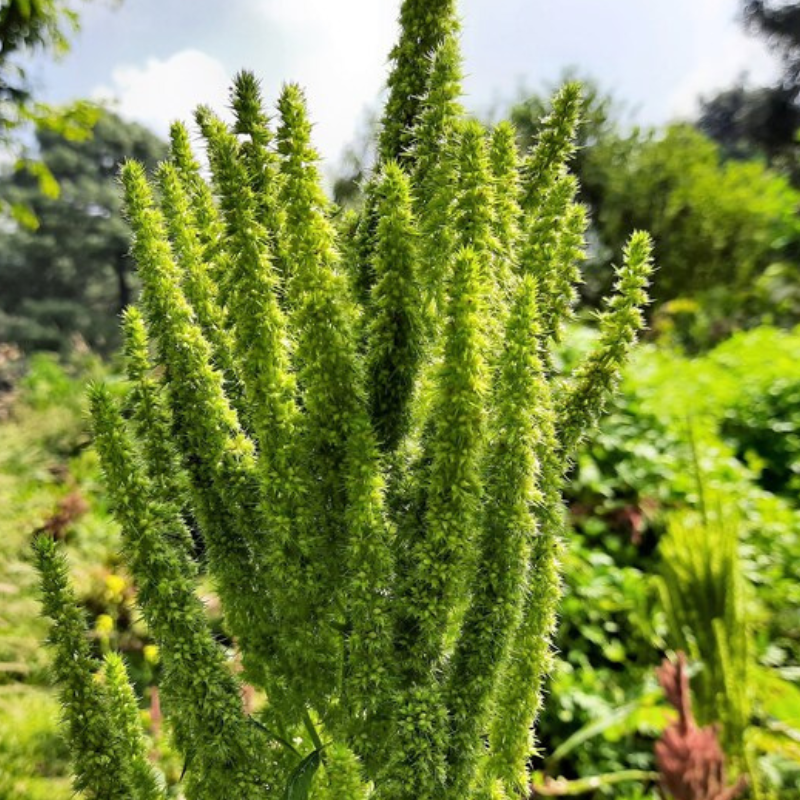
366,440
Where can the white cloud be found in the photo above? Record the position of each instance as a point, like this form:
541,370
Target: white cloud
337,52
734,56
321,12
345,21
162,91
723,53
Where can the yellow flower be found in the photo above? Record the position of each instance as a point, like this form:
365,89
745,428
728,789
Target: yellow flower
104,625
115,586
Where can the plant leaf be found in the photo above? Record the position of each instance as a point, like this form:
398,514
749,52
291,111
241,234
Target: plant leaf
780,698
299,784
24,215
279,739
559,787
598,726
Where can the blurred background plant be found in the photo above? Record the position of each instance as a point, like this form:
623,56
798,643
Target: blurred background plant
67,272
703,593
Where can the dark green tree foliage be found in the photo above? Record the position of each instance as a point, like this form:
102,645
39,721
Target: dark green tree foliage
779,24
717,223
754,122
763,121
376,469
72,274
29,27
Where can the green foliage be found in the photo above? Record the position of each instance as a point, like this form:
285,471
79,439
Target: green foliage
109,759
47,472
42,461
373,451
710,612
704,594
714,223
754,122
34,755
762,120
603,709
28,27
635,474
764,426
725,230
71,275
677,412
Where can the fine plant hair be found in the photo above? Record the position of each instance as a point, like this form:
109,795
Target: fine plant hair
362,421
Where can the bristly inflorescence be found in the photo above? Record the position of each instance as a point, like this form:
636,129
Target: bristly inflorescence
367,438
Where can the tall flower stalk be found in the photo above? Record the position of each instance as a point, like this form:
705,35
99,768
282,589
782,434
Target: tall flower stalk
370,437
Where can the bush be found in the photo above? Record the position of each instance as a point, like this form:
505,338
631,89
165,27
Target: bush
715,223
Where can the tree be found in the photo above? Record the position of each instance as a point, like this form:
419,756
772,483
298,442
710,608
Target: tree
762,121
26,27
752,123
715,223
780,25
374,452
71,274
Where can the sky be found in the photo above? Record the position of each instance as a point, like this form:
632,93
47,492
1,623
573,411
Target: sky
157,59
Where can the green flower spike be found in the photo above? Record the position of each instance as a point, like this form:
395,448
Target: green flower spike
363,457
